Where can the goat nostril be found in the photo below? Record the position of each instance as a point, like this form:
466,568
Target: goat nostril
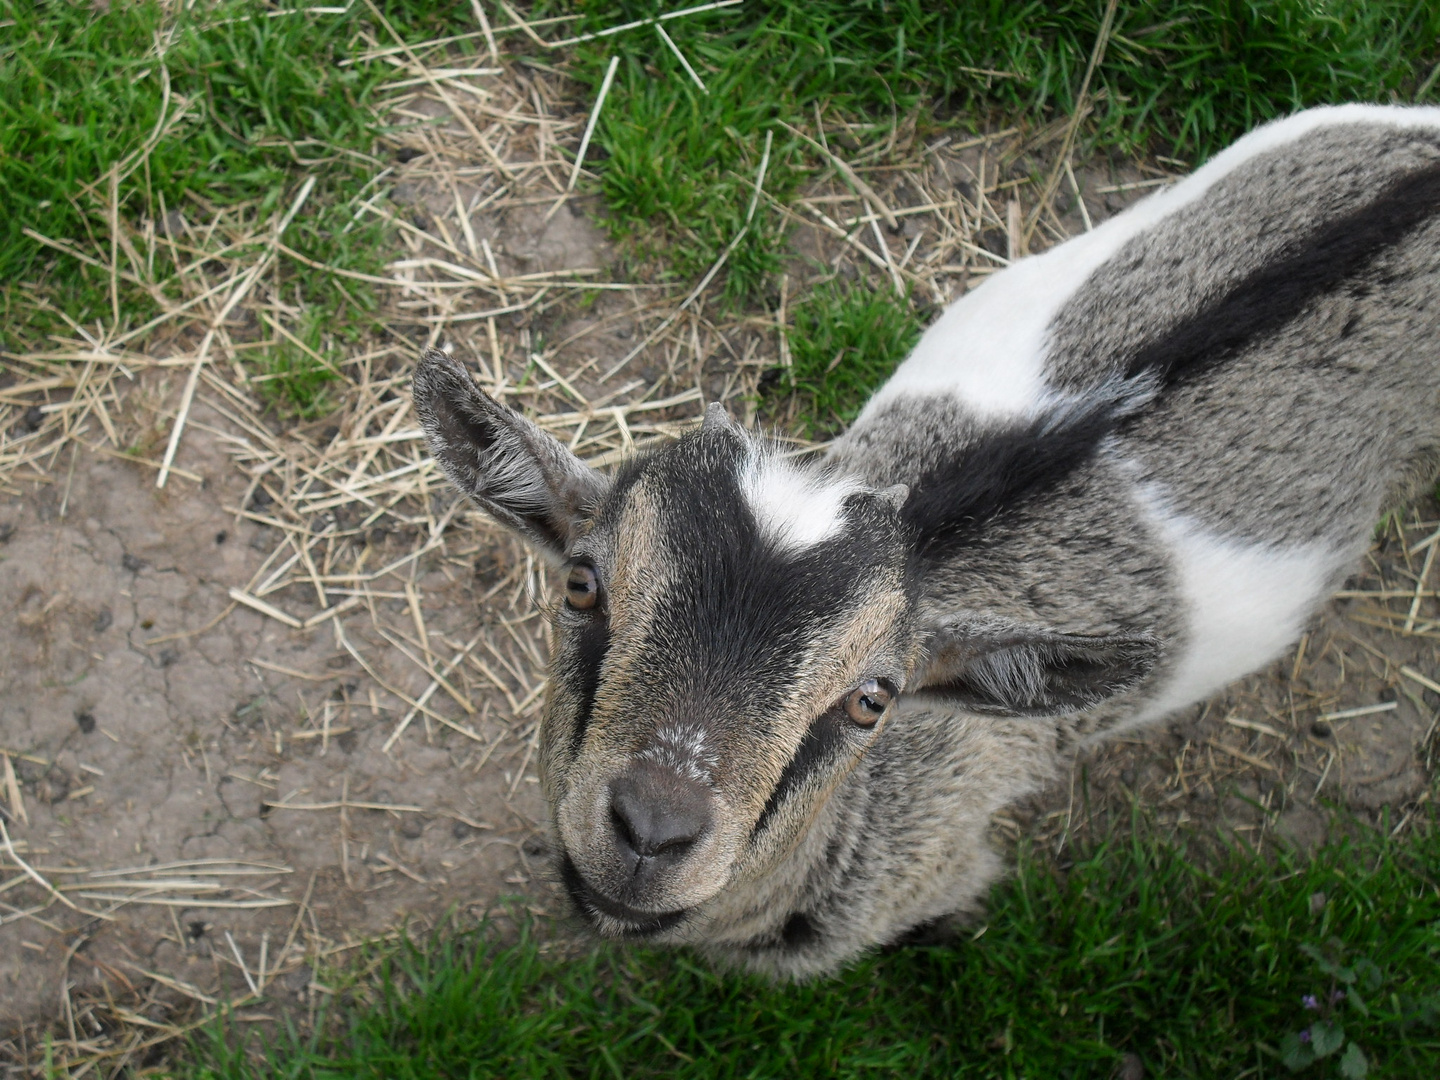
658,816
623,828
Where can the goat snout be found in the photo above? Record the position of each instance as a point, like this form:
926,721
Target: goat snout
657,817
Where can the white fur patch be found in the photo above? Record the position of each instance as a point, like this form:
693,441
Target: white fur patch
988,349
795,508
683,748
1247,602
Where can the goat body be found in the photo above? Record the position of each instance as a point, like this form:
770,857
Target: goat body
786,700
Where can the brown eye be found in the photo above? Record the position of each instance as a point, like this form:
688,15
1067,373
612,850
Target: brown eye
582,587
867,702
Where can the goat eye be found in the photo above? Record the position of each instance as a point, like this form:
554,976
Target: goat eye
582,587
867,702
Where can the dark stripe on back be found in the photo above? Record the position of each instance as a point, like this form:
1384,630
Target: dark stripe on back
1269,298
950,503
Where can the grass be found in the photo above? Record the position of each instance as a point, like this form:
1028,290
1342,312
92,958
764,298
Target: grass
256,105
845,340
1200,966
267,104
1181,79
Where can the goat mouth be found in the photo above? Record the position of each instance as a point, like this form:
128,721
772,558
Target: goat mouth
611,916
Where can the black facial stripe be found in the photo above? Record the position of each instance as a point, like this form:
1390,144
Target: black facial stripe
592,642
822,741
736,623
949,503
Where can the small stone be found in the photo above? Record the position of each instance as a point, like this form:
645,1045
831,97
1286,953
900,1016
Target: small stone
34,417
1321,730
260,499
298,980
103,618
412,827
86,722
221,536
52,788
407,154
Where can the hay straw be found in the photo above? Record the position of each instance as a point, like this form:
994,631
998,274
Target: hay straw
237,294
1052,183
589,131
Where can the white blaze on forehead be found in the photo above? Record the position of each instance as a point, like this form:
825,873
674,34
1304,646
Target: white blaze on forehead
795,508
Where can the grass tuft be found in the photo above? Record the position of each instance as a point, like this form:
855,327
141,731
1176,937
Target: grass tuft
255,105
1182,79
846,339
1200,966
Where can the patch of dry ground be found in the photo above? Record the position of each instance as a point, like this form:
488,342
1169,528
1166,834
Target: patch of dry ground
289,700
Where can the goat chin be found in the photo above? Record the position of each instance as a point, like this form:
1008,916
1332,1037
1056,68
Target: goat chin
1110,480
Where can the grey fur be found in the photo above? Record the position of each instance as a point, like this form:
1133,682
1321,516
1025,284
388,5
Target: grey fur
1068,609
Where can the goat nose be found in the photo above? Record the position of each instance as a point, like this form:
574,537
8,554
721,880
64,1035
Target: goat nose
658,815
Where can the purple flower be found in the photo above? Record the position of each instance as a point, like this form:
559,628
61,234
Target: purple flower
1305,1035
1310,1002
1336,996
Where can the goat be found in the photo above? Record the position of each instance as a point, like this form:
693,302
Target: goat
785,699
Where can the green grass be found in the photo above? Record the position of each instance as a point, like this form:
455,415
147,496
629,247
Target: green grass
845,340
1177,78
265,103
1197,964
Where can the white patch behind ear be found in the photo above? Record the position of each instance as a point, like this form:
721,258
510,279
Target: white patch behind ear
795,508
1247,602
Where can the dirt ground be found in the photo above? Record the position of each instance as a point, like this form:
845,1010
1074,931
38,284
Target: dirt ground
248,722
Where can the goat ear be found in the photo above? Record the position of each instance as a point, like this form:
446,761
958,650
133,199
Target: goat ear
518,474
1012,670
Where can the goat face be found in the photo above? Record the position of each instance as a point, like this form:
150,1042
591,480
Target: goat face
730,636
